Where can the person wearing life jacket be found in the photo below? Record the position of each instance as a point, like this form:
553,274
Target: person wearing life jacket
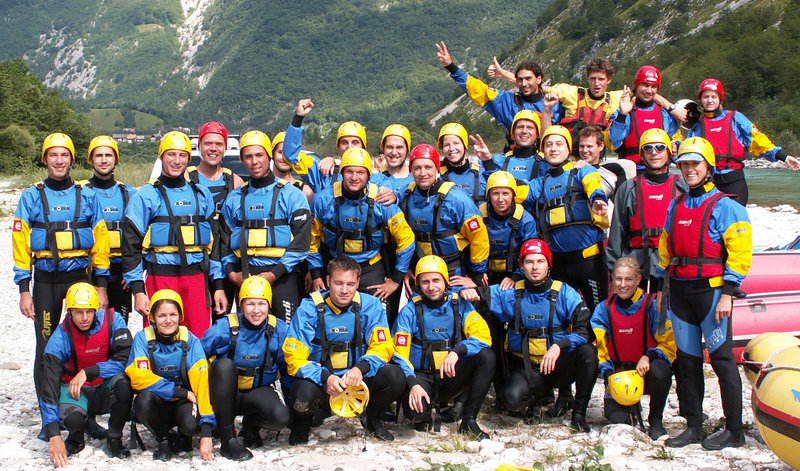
321,175
706,249
549,336
502,105
443,346
113,196
640,208
453,143
347,221
169,373
337,339
523,161
167,232
212,142
571,215
635,117
83,375
591,151
247,359
396,144
59,233
628,338
282,169
269,222
445,221
731,134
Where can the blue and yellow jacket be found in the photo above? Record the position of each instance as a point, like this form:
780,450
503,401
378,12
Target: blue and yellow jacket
563,213
259,363
665,342
470,178
153,225
506,236
569,327
58,359
441,330
501,104
168,367
277,224
744,131
394,183
728,225
74,220
457,226
315,350
524,164
309,169
113,197
358,227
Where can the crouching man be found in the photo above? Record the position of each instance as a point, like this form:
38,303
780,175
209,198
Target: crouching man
549,336
84,364
444,348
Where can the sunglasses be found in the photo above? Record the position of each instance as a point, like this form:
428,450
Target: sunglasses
657,147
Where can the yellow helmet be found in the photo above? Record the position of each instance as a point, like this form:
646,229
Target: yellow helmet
277,140
453,129
58,139
174,140
626,387
655,136
696,149
397,130
432,264
82,296
168,295
103,141
255,287
355,157
350,402
501,179
530,116
254,138
352,129
558,130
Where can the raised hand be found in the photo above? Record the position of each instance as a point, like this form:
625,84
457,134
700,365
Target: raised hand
480,147
443,55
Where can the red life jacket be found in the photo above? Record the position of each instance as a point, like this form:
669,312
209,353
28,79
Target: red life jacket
87,350
692,252
652,203
585,115
641,121
729,151
624,331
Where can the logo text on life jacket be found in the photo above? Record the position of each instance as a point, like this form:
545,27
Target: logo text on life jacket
555,187
353,220
685,222
250,357
535,317
650,121
256,207
339,330
60,207
439,330
420,222
93,350
518,168
717,129
110,209
626,331
183,203
656,197
168,369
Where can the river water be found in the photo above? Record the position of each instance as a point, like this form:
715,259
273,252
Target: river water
771,187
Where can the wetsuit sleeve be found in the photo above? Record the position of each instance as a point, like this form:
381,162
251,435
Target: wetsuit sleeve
300,224
403,238
56,354
315,263
21,241
212,250
217,339
230,219
198,378
475,328
102,241
278,356
296,348
528,192
567,95
665,343
619,232
405,327
379,344
618,129
118,352
592,184
663,244
570,301
755,141
500,303
139,370
738,240
292,144
498,103
134,227
599,324
473,230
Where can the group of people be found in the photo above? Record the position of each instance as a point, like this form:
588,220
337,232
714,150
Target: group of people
505,263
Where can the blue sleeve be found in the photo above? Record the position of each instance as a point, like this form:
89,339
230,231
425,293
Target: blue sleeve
215,271
619,129
600,322
670,125
293,144
502,303
280,336
568,301
217,339
470,316
138,214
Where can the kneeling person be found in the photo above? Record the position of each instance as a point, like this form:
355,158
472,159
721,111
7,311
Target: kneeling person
549,335
83,369
338,339
444,348
248,361
169,371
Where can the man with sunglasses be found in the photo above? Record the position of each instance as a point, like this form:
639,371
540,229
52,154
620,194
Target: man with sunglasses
641,207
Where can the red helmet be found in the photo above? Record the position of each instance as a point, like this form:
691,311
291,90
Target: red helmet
535,246
647,74
711,84
425,151
213,127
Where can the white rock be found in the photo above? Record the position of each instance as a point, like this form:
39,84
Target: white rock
510,455
744,465
472,447
326,434
491,447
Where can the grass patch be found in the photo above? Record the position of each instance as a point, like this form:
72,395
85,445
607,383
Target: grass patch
442,466
146,28
135,174
453,443
663,454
